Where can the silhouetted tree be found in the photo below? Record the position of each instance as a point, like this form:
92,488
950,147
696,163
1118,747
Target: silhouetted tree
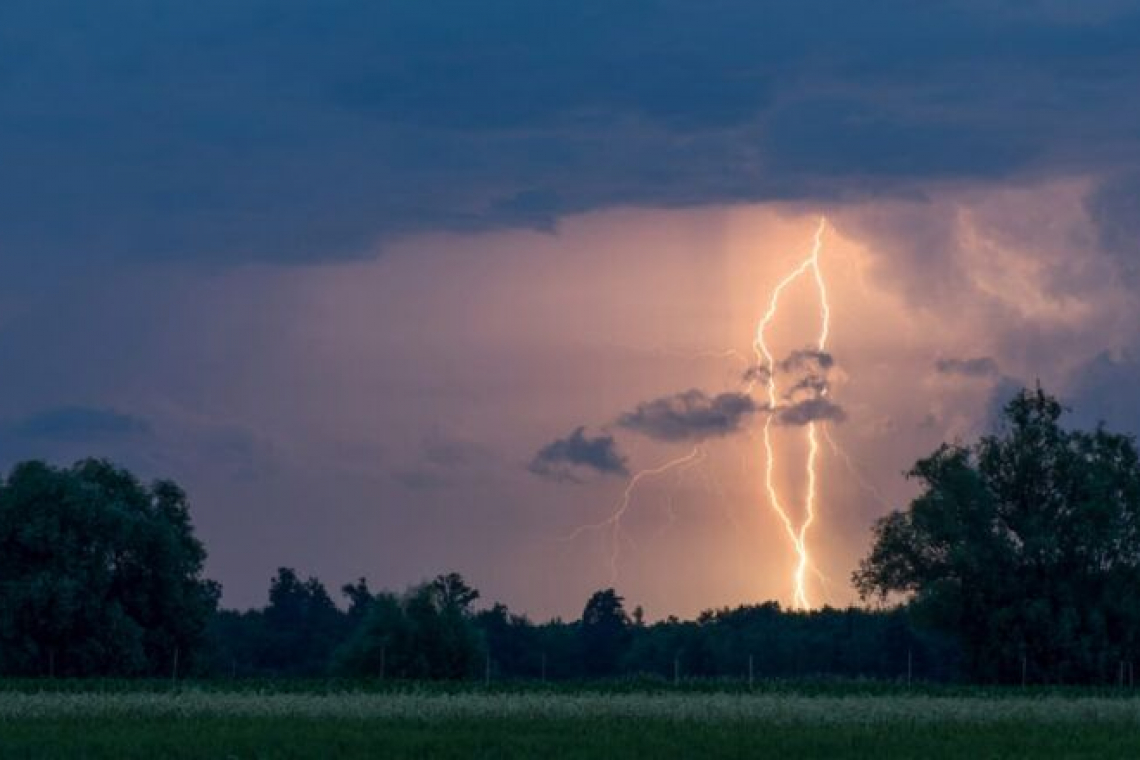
301,625
428,633
513,643
1025,546
604,632
98,573
359,598
452,593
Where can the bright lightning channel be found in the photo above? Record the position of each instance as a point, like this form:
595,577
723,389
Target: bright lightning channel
796,534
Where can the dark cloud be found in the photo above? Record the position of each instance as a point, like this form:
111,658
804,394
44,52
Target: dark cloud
690,415
259,130
979,366
446,461
64,434
815,409
75,423
812,361
807,359
1114,207
1104,391
809,385
445,451
564,458
757,373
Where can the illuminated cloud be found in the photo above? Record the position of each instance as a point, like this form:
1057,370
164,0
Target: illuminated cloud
565,458
691,415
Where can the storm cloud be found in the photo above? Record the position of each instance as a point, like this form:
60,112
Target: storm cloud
691,415
75,423
288,207
565,458
807,360
815,409
335,127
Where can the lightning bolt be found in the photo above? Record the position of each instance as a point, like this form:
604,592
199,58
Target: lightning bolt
796,534
613,522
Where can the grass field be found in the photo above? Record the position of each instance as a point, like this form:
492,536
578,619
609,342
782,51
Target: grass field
564,723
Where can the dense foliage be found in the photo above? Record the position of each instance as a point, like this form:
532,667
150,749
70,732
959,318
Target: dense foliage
1025,547
98,573
432,632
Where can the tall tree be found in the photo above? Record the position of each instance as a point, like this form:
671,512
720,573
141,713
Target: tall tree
452,593
1025,546
98,573
604,632
302,625
359,598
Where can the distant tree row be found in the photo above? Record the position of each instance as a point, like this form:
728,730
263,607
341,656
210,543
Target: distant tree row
1018,561
432,631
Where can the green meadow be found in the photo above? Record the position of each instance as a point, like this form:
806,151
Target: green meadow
579,722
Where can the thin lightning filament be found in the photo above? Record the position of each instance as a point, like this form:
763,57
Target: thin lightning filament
613,522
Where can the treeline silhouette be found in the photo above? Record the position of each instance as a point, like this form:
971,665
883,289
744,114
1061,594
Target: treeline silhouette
1019,561
433,631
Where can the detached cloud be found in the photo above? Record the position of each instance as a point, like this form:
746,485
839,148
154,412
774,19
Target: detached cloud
66,433
76,423
562,459
690,416
446,461
980,366
816,409
757,373
809,360
811,385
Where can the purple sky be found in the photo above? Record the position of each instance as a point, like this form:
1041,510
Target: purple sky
343,270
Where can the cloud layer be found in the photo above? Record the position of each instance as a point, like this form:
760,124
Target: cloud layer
564,459
226,132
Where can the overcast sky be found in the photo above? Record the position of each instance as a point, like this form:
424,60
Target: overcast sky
397,287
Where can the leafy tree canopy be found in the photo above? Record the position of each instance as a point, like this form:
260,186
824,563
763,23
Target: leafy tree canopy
1025,546
99,574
